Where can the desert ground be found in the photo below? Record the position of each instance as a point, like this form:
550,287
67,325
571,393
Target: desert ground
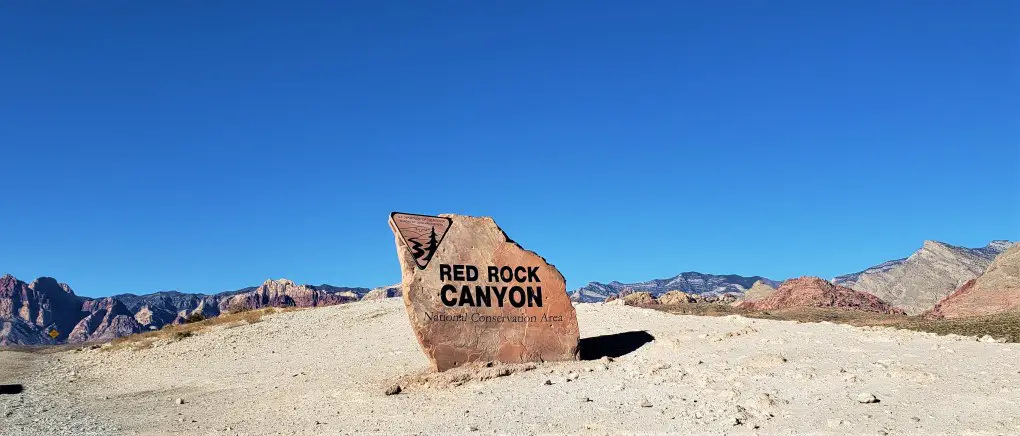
326,371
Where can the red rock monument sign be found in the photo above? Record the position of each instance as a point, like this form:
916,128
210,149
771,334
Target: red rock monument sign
472,294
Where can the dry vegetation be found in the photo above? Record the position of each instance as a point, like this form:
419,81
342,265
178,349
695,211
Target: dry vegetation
177,332
1002,325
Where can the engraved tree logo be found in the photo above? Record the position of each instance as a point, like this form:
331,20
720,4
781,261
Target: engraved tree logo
431,247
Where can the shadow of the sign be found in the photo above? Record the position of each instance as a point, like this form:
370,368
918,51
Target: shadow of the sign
10,389
614,345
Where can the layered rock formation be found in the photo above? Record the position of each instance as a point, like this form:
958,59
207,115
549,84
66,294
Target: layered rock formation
996,290
816,292
108,319
688,282
917,282
28,312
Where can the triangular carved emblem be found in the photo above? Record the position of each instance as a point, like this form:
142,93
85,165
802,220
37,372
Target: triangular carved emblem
422,234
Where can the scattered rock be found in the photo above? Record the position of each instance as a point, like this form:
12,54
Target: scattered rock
393,390
867,398
472,428
639,299
571,376
179,401
645,403
547,382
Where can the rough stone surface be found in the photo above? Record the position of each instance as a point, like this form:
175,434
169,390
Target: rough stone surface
448,344
997,290
815,292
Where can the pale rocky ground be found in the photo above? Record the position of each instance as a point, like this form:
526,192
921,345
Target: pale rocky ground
324,371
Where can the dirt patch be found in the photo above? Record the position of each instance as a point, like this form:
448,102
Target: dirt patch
172,333
999,326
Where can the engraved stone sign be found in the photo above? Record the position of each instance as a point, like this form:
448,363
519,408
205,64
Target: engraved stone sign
474,295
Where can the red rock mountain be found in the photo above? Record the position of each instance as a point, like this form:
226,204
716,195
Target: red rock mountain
28,312
815,292
283,293
108,318
996,290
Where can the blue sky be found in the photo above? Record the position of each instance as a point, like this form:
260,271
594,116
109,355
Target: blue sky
206,146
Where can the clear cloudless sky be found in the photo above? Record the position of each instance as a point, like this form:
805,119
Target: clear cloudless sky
206,146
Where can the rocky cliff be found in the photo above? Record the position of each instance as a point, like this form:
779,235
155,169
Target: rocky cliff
996,290
917,282
107,319
29,312
688,282
816,292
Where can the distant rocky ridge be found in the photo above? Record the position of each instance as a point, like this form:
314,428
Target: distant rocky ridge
816,292
688,282
30,312
917,282
996,290
384,292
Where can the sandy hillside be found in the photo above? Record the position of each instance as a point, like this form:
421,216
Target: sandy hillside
324,371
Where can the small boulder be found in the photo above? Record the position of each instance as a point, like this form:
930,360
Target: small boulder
867,398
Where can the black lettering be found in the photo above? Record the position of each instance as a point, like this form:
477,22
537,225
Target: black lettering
472,273
516,290
519,274
444,272
442,295
506,274
533,274
500,294
493,274
535,296
458,272
482,296
465,297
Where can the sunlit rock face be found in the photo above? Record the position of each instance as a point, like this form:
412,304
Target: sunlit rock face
481,297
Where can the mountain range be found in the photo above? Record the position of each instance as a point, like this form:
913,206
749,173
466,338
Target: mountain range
939,280
31,313
917,282
688,282
914,283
